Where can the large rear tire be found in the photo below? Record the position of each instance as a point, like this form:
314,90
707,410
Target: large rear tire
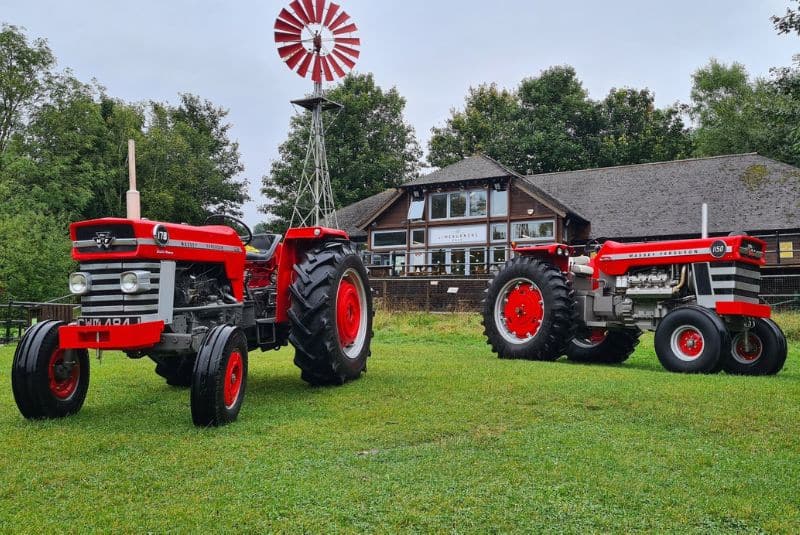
331,315
220,377
692,339
604,347
763,353
529,311
47,381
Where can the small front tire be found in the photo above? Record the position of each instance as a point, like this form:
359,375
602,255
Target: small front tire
691,339
763,353
220,377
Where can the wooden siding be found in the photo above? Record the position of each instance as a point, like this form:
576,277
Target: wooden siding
395,216
520,202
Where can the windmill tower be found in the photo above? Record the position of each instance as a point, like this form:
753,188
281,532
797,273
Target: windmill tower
318,41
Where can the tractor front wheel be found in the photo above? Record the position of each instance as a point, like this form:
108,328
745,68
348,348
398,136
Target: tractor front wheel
48,381
692,339
331,315
760,351
529,311
220,377
604,347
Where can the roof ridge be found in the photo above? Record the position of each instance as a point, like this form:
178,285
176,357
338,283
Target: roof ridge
665,162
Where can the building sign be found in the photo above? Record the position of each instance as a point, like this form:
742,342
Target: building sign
460,234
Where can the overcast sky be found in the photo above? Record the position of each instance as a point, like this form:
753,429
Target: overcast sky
431,50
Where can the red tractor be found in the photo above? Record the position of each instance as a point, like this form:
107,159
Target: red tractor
700,296
196,300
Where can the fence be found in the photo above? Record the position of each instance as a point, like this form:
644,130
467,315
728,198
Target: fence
19,315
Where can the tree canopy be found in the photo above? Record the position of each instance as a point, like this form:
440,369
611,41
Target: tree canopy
369,144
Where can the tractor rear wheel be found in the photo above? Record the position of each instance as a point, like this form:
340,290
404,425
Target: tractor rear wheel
529,311
604,347
48,382
692,339
176,370
763,352
220,377
331,315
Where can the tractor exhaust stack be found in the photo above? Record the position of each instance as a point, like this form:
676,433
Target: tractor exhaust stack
704,221
134,207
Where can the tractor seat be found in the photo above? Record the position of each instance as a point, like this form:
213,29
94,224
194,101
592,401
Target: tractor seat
264,245
580,266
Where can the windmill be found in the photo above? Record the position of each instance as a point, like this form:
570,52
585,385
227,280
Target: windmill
318,41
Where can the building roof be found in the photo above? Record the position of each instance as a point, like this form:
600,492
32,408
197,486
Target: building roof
352,217
478,167
743,191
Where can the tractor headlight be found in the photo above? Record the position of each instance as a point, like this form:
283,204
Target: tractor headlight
134,282
80,283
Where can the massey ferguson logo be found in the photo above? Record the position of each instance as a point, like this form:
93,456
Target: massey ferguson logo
104,240
718,249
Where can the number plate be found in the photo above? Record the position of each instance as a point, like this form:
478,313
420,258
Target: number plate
106,322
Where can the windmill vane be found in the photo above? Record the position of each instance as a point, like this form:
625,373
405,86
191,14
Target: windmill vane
317,39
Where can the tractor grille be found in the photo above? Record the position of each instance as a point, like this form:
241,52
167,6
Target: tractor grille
737,279
106,298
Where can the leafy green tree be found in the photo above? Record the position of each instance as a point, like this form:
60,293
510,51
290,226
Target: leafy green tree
790,22
24,69
370,147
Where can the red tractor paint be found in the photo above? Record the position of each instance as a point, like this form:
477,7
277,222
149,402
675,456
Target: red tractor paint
699,295
196,300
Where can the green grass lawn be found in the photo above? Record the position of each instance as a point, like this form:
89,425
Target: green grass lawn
438,436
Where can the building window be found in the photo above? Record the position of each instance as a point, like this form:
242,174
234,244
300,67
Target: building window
417,237
477,261
499,203
498,256
533,230
458,204
499,232
416,210
438,261
458,261
439,206
389,238
477,203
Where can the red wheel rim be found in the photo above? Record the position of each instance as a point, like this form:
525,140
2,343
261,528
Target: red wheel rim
233,379
63,378
744,354
523,311
348,313
687,343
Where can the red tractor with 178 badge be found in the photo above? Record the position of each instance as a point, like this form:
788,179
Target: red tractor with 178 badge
197,300
700,296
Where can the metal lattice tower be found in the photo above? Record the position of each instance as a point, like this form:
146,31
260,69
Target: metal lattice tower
317,40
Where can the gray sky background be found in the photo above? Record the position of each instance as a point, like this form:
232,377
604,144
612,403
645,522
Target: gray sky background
432,51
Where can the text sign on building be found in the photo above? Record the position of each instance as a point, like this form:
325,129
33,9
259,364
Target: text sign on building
461,234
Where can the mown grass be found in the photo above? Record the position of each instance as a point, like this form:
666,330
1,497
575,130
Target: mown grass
438,436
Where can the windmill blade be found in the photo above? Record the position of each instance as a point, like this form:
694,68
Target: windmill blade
316,72
348,41
295,58
332,9
309,7
347,50
320,10
336,67
287,37
290,19
338,21
326,69
347,61
298,10
285,26
286,51
350,28
303,70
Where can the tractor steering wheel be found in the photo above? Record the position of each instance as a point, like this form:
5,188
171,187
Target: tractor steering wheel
246,239
593,245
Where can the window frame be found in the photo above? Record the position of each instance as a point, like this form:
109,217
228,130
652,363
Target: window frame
534,221
468,208
411,242
492,194
385,247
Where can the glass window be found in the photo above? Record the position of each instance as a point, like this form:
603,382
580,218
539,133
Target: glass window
439,206
458,261
499,232
418,237
477,261
458,204
499,203
477,203
498,255
438,261
416,210
391,238
533,230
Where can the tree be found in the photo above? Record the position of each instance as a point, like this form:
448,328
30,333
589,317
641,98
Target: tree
24,70
789,23
370,148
